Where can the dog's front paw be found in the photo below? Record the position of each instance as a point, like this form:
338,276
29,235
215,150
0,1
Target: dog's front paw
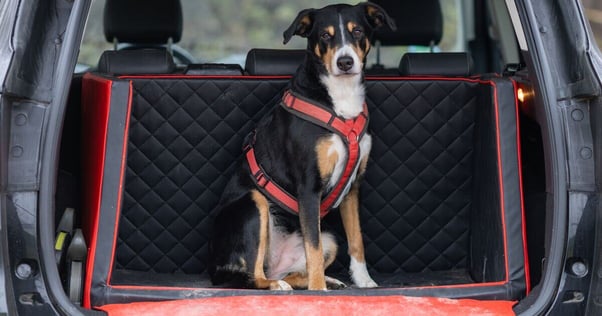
359,274
368,283
280,285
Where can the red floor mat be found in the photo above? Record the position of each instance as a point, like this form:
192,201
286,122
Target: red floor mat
315,305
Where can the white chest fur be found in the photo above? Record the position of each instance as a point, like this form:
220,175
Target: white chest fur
347,94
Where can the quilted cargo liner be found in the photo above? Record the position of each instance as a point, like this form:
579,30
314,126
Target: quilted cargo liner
441,207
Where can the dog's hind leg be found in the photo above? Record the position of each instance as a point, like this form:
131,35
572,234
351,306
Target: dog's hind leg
261,282
240,243
299,279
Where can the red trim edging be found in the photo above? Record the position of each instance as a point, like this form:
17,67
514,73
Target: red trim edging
95,103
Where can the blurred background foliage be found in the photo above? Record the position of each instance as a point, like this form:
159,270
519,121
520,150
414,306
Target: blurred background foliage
224,30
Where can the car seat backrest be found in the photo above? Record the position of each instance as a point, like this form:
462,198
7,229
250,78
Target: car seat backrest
418,23
435,64
261,62
143,22
138,61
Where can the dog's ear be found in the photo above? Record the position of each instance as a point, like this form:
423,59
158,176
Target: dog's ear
301,26
377,17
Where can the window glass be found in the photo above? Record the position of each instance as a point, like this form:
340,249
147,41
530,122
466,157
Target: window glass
452,40
593,11
223,31
94,42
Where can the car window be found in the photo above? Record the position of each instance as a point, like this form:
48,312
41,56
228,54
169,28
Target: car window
452,40
593,11
223,31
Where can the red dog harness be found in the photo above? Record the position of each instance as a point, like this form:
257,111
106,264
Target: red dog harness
350,130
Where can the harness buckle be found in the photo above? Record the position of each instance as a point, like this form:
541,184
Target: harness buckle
261,178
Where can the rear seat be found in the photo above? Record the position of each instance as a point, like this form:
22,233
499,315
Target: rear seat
140,61
261,61
441,202
132,25
436,64
212,69
418,23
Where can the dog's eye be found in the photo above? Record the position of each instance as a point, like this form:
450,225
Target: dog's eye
357,32
325,36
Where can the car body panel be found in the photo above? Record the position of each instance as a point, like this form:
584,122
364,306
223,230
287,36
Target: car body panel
39,43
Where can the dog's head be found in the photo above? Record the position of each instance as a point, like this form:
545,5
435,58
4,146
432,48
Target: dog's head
339,35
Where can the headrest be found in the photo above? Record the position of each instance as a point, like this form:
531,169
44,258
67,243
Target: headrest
137,61
419,22
273,61
213,69
435,64
143,22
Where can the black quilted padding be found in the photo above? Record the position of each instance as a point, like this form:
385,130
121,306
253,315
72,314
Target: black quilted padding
186,136
184,139
416,194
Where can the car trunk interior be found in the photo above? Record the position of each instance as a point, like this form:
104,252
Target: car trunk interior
451,203
441,206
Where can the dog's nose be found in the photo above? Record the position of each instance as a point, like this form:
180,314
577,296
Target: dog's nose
345,63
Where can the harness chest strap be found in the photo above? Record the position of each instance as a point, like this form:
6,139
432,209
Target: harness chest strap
349,130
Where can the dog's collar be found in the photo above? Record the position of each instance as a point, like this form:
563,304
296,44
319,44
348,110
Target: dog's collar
350,130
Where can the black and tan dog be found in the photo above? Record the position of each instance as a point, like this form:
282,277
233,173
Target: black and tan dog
302,160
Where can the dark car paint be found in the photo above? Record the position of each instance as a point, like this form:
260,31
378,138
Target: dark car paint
562,110
45,41
46,37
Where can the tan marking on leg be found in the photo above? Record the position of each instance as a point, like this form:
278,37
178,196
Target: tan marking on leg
330,248
297,280
300,280
315,267
351,222
277,285
314,256
261,282
326,160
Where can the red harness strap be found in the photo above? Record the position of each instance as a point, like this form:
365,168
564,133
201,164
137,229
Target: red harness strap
350,130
